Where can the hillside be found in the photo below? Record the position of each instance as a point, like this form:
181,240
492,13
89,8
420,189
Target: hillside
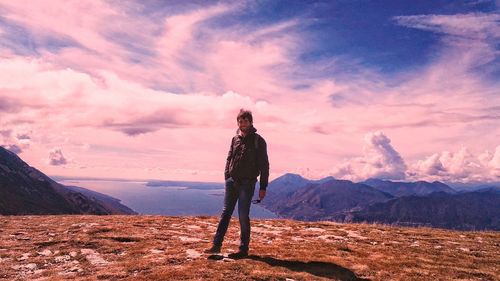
24,190
170,248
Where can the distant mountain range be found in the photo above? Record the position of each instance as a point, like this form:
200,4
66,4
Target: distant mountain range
475,210
25,190
399,189
292,196
403,203
187,184
465,187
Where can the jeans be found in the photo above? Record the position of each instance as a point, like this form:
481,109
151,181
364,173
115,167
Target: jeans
241,191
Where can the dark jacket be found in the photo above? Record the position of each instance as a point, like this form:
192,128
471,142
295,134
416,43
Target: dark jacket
246,159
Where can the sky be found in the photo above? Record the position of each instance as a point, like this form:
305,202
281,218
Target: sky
352,89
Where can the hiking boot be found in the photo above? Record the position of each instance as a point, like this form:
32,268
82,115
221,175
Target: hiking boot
238,255
214,250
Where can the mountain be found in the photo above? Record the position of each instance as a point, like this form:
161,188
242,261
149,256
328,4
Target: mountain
281,188
140,247
188,184
287,184
488,188
25,190
399,189
418,203
467,187
284,186
477,210
298,198
112,204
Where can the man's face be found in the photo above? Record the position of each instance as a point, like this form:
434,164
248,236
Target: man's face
244,124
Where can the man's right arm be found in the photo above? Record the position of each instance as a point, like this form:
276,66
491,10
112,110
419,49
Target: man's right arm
228,161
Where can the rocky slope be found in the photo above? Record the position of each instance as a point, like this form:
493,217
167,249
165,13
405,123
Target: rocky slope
171,248
26,190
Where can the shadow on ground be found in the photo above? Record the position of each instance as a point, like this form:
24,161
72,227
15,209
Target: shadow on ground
320,269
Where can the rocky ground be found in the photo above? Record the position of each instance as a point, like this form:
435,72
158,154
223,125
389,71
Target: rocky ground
171,248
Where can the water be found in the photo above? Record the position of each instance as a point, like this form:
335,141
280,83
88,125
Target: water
161,200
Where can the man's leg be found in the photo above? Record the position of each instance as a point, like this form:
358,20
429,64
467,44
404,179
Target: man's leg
230,198
245,198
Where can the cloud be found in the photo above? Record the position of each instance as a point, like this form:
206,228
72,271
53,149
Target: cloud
460,166
5,133
56,157
14,148
472,38
494,163
9,105
184,52
431,166
76,100
452,166
16,140
23,136
379,160
382,158
467,26
134,131
115,72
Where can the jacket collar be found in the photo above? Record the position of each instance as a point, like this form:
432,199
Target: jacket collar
251,131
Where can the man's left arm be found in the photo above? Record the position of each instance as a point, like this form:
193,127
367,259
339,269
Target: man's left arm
263,162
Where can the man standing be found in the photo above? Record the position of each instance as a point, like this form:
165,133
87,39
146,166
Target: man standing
247,158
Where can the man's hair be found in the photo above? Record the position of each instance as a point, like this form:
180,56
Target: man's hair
245,114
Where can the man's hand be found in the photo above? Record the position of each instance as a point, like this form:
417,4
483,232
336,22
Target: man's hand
262,194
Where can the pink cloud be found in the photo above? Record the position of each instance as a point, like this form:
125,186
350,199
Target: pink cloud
494,163
187,93
471,26
16,139
56,157
460,166
379,160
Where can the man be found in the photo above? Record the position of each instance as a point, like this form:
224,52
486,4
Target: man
247,158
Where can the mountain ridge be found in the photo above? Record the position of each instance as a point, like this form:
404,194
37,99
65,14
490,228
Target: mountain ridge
26,190
344,201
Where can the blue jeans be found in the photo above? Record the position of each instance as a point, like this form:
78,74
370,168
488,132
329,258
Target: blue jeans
241,191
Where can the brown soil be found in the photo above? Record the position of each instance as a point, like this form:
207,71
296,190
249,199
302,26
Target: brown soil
171,248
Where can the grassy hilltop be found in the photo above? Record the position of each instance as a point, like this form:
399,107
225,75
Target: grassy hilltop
171,248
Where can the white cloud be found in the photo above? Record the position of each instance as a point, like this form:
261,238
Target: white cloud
16,140
379,160
495,161
460,166
472,26
99,86
13,148
473,37
76,100
56,157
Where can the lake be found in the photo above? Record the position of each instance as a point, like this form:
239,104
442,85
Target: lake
175,200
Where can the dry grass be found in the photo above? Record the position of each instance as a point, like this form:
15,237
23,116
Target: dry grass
170,248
